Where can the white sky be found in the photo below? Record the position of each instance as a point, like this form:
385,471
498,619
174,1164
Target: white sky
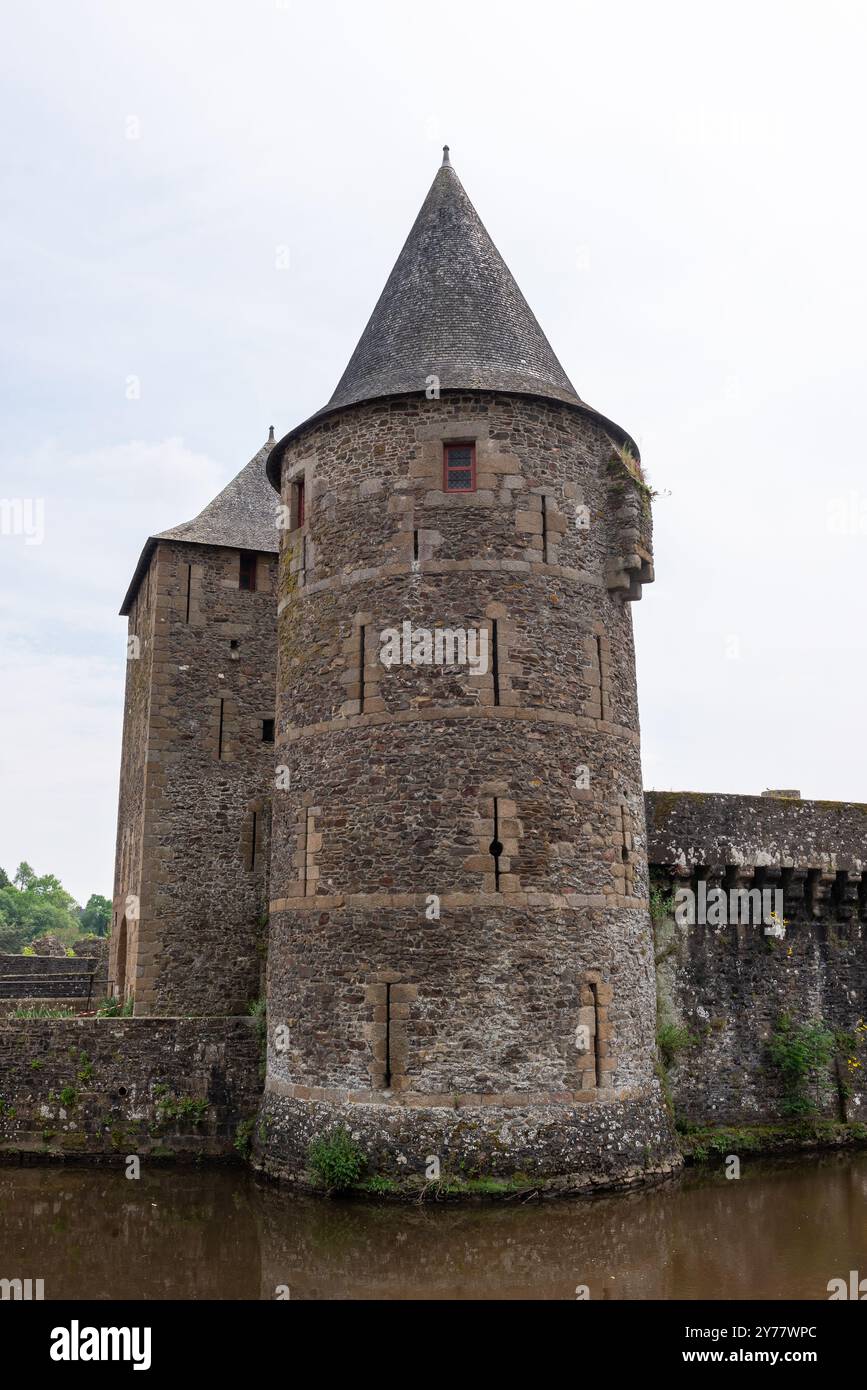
679,191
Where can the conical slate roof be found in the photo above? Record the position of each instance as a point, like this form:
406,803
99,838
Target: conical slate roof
241,516
450,309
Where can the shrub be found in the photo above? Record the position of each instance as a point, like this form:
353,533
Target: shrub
113,1008
671,1040
661,902
336,1160
258,1009
244,1137
168,1107
802,1054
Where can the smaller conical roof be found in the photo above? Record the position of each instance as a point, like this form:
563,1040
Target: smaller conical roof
242,516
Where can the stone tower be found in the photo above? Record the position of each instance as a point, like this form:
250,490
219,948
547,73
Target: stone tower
190,890
460,956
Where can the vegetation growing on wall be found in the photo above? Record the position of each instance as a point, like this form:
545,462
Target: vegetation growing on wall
624,455
661,899
672,1039
336,1160
802,1054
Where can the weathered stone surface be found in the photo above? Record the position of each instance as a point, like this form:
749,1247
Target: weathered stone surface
729,987
396,795
704,828
50,975
105,1088
195,773
575,1148
460,957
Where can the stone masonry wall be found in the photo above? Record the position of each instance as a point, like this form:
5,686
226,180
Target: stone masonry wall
399,779
730,986
80,980
133,786
38,968
105,1088
208,785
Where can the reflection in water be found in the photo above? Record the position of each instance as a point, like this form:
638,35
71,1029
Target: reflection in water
781,1231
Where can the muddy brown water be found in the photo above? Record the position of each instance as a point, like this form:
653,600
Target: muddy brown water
782,1230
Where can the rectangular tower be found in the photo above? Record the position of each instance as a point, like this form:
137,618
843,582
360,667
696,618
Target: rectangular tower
191,871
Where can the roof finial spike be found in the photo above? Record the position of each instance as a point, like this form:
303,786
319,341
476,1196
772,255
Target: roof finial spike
270,434
446,159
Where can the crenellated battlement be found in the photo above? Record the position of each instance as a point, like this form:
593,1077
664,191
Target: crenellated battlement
814,852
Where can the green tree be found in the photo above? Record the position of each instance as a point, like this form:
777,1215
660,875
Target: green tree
35,905
96,915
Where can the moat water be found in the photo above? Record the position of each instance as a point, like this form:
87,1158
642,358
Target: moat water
782,1230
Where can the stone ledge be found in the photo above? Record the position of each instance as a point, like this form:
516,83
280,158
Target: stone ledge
414,1100
572,902
493,713
337,583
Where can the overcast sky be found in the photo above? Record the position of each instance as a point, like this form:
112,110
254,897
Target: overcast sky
679,191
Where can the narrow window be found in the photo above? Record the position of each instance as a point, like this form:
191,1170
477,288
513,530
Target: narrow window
604,710
298,509
189,590
415,546
495,661
386,1080
459,468
544,528
361,632
496,848
306,843
267,730
811,893
247,571
220,732
596,1056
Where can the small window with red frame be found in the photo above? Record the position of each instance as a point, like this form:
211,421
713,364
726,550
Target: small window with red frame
459,468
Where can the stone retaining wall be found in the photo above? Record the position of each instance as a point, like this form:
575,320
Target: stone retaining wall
106,1088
